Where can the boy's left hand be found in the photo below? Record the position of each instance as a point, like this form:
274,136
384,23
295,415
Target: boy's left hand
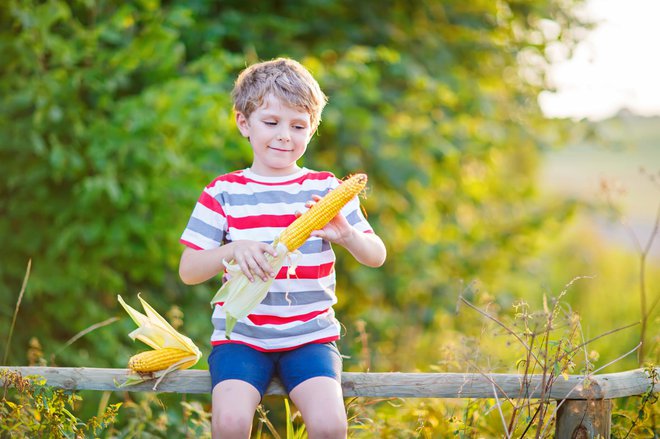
337,231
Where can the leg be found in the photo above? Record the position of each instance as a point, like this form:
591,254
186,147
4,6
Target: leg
239,376
312,375
321,404
234,403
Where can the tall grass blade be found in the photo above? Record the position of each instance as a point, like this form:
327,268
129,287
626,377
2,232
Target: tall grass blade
18,305
289,421
85,332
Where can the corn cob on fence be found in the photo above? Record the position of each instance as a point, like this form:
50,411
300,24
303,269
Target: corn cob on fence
241,296
159,359
170,349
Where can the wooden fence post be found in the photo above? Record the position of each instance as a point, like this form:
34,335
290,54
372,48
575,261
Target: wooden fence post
584,419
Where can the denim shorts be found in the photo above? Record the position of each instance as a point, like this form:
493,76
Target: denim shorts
240,362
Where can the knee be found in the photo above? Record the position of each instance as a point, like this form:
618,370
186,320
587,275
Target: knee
231,425
327,426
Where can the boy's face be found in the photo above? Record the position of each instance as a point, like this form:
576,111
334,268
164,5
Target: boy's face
279,135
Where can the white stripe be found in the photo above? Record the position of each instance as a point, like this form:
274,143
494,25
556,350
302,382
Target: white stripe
245,210
351,206
280,343
263,234
199,240
255,188
279,311
208,216
294,285
316,259
292,310
293,324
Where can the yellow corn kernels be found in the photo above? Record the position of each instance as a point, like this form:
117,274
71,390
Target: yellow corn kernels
322,212
160,359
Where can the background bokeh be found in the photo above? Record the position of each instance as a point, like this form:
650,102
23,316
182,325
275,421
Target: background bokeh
115,114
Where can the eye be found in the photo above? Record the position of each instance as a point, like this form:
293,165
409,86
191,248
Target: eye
270,123
299,127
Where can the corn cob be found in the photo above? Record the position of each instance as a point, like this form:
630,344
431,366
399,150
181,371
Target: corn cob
160,359
171,350
239,295
322,212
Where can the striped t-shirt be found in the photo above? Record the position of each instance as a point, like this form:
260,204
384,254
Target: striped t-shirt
298,307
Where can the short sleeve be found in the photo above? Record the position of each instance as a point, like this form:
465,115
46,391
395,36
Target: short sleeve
207,226
353,213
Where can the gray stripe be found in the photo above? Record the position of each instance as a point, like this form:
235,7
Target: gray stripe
353,218
315,246
315,325
205,229
267,197
281,298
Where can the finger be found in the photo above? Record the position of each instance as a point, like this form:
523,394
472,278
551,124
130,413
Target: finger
246,270
262,266
266,268
263,262
313,201
269,249
257,271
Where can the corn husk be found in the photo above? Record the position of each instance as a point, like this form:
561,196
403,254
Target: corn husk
154,331
240,296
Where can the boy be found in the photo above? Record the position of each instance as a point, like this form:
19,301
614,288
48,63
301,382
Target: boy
293,331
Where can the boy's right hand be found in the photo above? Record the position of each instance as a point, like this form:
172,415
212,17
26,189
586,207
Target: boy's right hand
251,257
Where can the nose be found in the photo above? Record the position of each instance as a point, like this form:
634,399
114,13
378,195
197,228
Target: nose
283,135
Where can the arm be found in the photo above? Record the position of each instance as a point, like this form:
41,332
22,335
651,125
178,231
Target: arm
366,248
197,266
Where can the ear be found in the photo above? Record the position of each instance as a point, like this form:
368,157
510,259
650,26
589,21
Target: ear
242,124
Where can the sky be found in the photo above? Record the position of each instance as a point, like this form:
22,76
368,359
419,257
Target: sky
617,66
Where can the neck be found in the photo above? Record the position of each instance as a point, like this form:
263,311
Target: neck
270,172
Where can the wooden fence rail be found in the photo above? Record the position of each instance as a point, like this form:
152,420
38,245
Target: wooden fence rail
585,409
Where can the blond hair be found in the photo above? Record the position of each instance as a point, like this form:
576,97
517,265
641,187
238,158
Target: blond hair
284,78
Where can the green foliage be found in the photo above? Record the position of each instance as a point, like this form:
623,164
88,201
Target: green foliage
149,416
294,428
637,416
29,408
114,115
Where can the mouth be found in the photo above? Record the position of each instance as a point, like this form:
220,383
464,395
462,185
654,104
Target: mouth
280,149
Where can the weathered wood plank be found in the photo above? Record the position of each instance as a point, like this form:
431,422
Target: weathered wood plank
584,419
404,385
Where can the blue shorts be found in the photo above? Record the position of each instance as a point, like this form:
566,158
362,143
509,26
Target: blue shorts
240,362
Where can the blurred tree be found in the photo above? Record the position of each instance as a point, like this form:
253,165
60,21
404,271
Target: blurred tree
115,114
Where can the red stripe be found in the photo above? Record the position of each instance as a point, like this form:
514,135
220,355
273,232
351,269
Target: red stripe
230,177
239,177
256,221
263,319
319,341
307,272
208,201
190,244
320,175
